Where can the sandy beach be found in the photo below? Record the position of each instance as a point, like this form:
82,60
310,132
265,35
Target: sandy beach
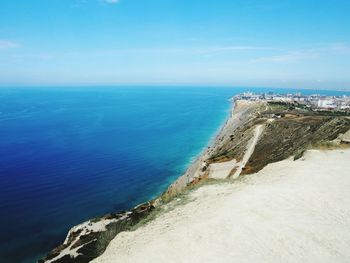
291,211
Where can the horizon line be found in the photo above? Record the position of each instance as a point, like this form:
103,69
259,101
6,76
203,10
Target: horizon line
165,85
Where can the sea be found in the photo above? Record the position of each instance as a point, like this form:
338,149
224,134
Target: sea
68,154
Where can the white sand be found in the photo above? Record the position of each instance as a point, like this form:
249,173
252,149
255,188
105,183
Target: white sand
221,170
288,212
346,137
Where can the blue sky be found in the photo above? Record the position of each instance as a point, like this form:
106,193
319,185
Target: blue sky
284,43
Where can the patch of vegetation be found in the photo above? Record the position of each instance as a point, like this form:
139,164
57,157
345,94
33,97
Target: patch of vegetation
299,154
329,145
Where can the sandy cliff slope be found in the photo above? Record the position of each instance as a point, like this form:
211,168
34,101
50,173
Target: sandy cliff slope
291,211
230,219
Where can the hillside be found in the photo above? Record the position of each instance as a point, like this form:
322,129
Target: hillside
255,135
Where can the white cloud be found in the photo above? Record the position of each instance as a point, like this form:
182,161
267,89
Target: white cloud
289,57
219,49
5,44
186,51
339,48
111,1
306,54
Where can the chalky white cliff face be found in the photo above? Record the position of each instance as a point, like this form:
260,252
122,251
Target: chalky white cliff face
291,211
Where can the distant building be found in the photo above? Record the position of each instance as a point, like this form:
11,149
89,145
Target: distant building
326,104
314,101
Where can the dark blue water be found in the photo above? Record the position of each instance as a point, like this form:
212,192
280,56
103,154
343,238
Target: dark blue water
70,154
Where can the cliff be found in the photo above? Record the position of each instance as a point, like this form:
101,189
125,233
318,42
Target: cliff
255,135
290,211
259,133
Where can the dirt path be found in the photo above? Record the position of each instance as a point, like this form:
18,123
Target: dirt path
250,149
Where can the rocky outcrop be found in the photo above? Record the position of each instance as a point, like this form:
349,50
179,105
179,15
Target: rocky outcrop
88,240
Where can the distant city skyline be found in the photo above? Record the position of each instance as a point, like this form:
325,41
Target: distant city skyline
286,43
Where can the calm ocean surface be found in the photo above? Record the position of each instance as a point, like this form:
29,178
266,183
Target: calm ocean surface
70,154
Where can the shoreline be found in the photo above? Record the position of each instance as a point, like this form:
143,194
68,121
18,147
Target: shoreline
197,156
240,113
133,215
242,140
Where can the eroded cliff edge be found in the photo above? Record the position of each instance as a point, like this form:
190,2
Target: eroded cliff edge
256,134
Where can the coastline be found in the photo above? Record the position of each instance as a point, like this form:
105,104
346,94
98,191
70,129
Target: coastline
249,129
123,221
241,113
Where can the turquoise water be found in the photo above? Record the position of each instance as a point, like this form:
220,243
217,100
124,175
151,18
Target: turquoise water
70,154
